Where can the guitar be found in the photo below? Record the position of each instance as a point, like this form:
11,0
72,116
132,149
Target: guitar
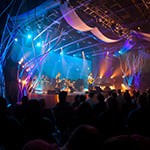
59,80
91,81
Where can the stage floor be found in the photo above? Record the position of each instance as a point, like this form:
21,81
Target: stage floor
52,99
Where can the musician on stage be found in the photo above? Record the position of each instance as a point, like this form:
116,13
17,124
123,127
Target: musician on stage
90,82
58,82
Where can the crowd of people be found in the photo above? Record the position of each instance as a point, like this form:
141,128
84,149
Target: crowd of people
117,121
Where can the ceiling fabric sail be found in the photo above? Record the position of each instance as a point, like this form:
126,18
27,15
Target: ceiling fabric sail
75,22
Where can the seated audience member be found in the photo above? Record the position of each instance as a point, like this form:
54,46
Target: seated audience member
138,119
84,137
85,114
100,106
109,122
35,126
120,100
64,115
46,112
19,111
128,102
109,95
76,101
91,99
82,99
11,131
39,144
124,142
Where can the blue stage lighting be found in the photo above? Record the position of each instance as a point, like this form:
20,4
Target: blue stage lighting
16,39
29,36
38,44
61,53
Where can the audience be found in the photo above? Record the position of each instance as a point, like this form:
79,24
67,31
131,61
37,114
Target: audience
100,106
39,144
113,123
84,137
91,100
11,131
35,126
138,118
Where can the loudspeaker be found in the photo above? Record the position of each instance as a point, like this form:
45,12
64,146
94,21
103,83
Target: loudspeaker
51,92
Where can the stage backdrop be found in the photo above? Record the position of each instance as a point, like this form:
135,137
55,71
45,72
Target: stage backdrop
70,67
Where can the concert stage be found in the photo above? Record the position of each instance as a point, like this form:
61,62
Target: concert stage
52,99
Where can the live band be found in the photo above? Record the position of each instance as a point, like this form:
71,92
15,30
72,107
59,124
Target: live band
65,84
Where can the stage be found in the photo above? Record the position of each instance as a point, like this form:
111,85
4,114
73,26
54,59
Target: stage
52,99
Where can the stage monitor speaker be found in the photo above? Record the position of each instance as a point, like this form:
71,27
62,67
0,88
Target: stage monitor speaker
51,92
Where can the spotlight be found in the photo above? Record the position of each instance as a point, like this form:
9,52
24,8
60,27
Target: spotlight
111,77
29,36
61,53
16,39
123,76
38,44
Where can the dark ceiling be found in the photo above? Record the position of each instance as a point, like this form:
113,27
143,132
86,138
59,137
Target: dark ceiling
107,15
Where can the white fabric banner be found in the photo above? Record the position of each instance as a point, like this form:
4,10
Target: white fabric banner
75,22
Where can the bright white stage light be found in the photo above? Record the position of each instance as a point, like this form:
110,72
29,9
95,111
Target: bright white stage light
29,36
39,44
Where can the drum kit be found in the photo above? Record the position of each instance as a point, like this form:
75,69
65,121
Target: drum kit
61,85
67,85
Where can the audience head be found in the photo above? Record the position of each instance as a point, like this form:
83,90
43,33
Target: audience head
100,97
112,105
91,94
77,98
142,101
42,103
124,142
24,100
33,108
39,144
84,137
114,95
82,98
121,142
62,96
119,91
3,106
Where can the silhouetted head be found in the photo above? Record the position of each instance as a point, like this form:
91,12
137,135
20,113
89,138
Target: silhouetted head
142,101
119,91
62,96
91,94
39,144
122,142
114,95
3,106
84,137
42,102
33,108
82,98
100,97
24,100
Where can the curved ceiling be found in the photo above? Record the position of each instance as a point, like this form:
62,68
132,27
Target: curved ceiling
107,15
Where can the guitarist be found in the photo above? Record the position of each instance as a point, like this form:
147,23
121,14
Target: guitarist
58,82
90,82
